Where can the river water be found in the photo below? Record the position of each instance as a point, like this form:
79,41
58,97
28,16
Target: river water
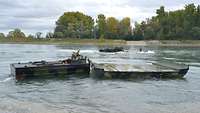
89,95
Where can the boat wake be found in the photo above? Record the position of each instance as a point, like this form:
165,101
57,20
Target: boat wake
147,52
5,80
82,51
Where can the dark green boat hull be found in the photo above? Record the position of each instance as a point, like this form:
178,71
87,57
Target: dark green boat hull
156,70
43,71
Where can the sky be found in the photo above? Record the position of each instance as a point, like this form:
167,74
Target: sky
33,16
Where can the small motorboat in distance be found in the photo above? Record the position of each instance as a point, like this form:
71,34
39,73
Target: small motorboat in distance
76,64
115,49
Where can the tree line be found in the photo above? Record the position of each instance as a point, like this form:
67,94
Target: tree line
17,33
166,25
79,25
173,25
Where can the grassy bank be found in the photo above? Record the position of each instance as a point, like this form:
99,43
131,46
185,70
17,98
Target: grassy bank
187,43
99,42
61,41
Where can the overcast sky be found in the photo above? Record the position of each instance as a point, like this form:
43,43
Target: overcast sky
40,15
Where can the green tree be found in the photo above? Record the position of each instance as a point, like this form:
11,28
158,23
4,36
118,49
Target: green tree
101,24
149,33
198,15
59,35
161,13
112,25
2,35
74,25
125,28
138,32
16,33
163,20
195,31
189,18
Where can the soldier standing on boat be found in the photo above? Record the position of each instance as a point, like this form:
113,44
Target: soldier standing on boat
140,49
75,55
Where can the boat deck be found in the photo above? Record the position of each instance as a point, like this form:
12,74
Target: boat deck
49,69
133,68
164,70
31,65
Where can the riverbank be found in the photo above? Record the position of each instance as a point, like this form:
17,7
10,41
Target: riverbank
53,41
187,43
68,41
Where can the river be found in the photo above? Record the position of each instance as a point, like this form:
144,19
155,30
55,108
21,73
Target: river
89,95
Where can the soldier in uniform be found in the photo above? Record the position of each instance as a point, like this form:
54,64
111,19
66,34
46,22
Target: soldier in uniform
75,55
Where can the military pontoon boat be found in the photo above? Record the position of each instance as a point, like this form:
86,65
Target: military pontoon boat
76,64
115,49
145,70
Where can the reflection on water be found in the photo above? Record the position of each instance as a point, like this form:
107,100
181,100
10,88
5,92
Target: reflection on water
88,95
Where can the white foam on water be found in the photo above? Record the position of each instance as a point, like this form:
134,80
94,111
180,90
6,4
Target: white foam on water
66,50
169,58
88,51
169,51
5,80
81,51
147,52
122,52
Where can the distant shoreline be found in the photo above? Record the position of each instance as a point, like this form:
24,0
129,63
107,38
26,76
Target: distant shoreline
67,41
183,43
